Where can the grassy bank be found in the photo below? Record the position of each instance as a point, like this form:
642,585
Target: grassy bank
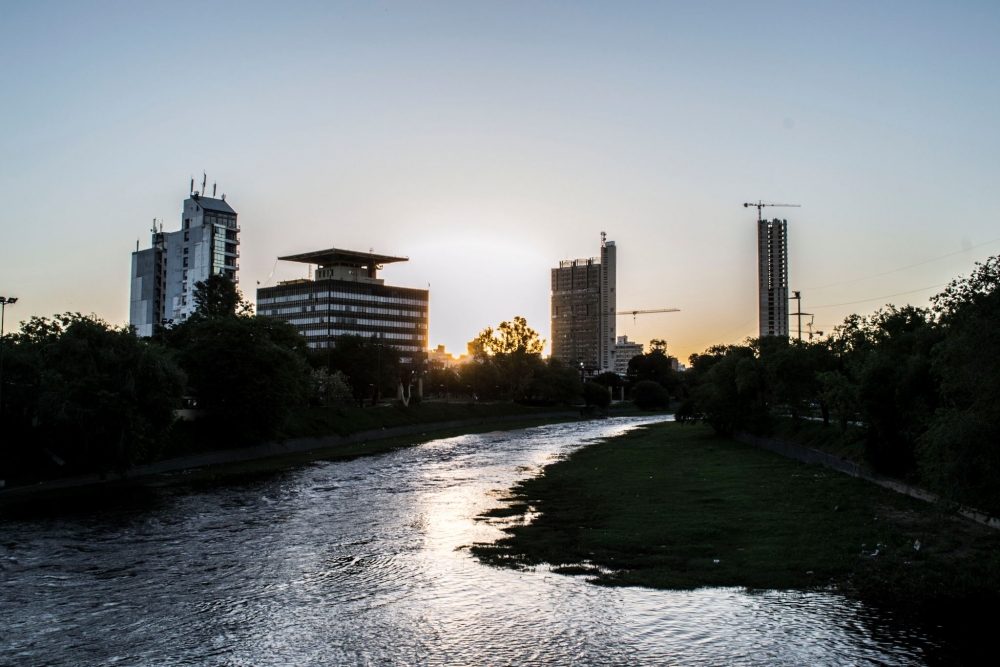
678,507
846,443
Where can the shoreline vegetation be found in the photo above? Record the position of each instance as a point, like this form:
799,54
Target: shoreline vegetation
680,507
317,423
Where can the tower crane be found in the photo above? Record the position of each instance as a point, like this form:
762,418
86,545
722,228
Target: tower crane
759,204
633,313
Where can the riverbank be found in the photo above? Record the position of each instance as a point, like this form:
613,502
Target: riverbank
677,507
218,466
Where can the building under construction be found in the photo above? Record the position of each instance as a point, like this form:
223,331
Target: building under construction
583,310
772,260
348,298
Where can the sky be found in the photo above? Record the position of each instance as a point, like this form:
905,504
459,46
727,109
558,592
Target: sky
488,141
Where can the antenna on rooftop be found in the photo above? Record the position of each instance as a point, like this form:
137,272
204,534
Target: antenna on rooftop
192,186
204,183
603,239
154,225
213,189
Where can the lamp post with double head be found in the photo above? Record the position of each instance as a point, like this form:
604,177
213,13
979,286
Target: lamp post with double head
4,302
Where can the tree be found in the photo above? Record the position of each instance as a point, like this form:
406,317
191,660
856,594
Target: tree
596,395
218,296
654,366
886,358
443,382
553,383
513,350
86,393
248,373
728,390
511,338
371,366
609,379
960,451
649,395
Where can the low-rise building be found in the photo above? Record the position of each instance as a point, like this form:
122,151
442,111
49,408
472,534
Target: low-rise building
625,349
347,297
440,358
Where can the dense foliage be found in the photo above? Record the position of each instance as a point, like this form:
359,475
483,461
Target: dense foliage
84,395
507,364
920,385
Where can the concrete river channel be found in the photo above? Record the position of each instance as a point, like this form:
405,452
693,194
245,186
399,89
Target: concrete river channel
363,562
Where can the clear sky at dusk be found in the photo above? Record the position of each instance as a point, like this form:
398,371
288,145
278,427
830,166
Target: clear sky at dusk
487,141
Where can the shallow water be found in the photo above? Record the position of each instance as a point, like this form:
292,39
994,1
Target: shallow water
363,562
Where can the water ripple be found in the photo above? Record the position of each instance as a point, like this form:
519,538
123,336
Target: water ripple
360,562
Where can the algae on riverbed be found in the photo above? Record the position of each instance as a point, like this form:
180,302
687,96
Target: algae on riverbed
678,507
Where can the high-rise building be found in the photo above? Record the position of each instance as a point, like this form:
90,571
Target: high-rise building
164,275
348,298
772,257
583,310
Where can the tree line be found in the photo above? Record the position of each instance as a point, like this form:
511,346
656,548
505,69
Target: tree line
918,387
86,396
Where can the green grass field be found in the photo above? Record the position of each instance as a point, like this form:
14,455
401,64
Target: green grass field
677,507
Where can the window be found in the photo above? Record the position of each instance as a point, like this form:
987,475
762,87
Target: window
185,251
185,261
187,223
187,236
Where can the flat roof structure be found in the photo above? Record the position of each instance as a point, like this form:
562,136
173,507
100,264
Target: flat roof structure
342,257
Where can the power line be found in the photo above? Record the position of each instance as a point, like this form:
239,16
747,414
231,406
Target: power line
902,268
887,296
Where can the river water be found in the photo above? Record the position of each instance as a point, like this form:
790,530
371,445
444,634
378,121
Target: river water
364,562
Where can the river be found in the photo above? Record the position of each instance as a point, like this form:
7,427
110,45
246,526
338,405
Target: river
363,562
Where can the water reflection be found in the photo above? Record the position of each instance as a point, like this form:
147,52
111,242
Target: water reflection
362,562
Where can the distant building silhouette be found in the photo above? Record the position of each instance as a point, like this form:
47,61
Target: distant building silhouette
625,349
164,275
583,310
348,297
772,257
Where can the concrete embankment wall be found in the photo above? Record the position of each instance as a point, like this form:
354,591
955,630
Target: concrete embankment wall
273,449
809,455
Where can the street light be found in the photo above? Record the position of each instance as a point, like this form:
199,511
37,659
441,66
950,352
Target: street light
4,301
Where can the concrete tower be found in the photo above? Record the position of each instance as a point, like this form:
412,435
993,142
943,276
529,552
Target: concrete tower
164,275
772,273
583,311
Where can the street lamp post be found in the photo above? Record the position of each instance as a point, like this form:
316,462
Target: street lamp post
4,301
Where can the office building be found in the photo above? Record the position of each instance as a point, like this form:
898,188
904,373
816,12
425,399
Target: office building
583,310
772,256
348,298
625,349
164,275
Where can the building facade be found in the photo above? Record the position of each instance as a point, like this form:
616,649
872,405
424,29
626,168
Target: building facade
625,349
772,260
348,298
164,275
583,304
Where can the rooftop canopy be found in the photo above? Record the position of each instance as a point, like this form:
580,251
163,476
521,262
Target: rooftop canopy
341,257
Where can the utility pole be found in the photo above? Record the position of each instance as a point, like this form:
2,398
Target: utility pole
4,301
798,298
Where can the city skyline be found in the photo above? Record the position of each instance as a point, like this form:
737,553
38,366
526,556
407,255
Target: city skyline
487,148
